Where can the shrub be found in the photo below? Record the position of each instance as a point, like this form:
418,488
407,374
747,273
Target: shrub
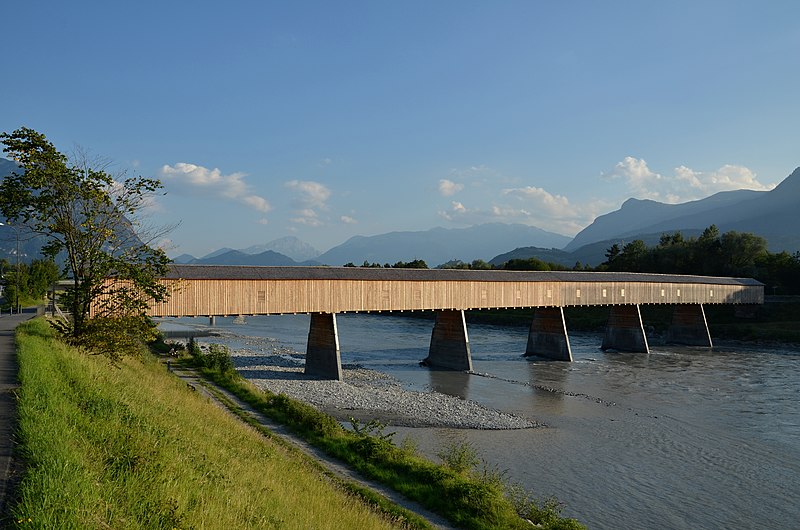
218,357
460,457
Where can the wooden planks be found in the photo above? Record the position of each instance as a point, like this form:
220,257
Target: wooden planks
229,291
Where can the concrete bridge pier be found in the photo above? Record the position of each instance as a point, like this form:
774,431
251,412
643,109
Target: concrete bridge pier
548,335
689,326
449,342
323,358
624,331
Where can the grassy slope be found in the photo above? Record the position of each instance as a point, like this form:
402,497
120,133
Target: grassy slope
470,498
132,447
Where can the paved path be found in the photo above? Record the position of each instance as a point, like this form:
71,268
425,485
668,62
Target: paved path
8,401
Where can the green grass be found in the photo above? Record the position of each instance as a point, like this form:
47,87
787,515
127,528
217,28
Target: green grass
468,498
130,446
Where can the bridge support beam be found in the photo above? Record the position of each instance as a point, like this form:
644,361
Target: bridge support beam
689,326
449,342
323,358
548,335
624,331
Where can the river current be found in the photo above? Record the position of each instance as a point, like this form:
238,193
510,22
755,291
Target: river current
678,438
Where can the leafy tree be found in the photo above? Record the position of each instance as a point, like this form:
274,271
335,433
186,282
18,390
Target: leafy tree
631,258
43,272
89,218
739,253
414,264
530,264
34,280
480,265
611,257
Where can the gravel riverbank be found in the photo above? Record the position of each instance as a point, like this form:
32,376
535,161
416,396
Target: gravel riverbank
363,394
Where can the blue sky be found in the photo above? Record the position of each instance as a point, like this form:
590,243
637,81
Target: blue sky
326,120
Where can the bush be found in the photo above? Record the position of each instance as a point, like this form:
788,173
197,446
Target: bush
113,337
460,457
217,358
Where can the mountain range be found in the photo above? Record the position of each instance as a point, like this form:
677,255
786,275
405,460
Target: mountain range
774,215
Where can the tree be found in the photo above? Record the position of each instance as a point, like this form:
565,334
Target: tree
87,217
740,252
34,280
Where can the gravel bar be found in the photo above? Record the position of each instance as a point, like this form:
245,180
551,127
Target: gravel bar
363,394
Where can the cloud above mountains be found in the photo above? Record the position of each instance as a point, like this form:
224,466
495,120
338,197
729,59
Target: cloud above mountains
310,198
684,184
212,182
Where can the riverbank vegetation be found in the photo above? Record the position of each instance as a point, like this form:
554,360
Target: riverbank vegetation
469,495
127,445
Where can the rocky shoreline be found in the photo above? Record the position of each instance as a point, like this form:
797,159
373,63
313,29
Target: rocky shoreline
363,394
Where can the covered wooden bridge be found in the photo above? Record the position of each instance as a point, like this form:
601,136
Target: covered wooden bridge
322,292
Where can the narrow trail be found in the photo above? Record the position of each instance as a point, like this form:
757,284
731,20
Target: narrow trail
330,465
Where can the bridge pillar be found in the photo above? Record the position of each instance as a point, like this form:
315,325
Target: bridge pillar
212,320
449,342
689,326
323,358
548,335
624,331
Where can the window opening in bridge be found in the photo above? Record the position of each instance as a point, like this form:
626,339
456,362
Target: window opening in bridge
711,293
549,293
604,293
663,293
262,297
679,293
577,293
622,293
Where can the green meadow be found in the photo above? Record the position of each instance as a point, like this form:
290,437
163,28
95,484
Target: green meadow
130,446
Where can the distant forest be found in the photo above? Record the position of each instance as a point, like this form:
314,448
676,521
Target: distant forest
737,254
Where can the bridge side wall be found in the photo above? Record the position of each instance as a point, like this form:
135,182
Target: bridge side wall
259,297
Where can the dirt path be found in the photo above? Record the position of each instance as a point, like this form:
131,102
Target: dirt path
333,466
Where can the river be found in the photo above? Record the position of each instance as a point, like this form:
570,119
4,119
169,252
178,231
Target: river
678,438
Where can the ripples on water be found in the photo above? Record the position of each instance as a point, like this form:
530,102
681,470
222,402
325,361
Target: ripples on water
679,438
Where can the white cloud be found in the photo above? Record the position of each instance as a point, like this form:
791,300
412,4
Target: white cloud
212,182
307,217
530,206
310,194
540,199
448,187
685,184
346,219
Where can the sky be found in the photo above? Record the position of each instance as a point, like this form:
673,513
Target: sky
324,120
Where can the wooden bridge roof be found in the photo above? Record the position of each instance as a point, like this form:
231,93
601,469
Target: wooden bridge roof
236,272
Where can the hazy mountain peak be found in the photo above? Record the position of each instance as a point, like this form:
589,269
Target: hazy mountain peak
771,214
440,245
288,246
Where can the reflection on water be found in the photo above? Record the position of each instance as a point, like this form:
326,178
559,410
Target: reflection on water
452,383
679,438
